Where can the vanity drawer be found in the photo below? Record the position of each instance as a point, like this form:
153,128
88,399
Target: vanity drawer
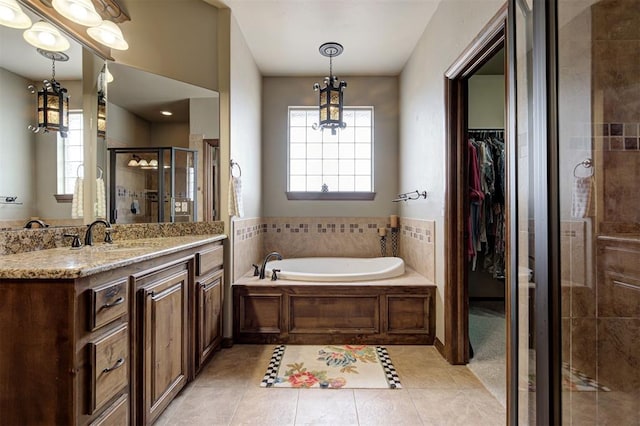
206,260
109,366
116,415
108,302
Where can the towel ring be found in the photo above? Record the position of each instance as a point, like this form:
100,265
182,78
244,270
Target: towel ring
82,165
233,164
587,164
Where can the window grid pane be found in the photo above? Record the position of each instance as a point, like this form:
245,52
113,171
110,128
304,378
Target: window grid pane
342,161
72,152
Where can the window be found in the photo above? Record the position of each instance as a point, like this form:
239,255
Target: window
70,154
337,166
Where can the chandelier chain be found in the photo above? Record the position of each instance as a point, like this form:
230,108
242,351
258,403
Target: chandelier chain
53,69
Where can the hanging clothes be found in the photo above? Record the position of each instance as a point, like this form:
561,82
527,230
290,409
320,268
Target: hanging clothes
486,224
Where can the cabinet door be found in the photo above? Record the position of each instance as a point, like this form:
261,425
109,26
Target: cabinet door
208,316
165,340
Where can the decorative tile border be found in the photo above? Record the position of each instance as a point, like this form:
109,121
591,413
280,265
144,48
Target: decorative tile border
417,233
617,136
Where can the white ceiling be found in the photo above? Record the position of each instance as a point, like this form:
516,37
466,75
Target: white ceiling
284,35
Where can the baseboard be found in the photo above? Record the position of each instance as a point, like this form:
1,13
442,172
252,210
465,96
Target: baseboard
440,347
226,342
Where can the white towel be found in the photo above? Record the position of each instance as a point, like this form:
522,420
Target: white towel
236,207
101,200
581,197
77,202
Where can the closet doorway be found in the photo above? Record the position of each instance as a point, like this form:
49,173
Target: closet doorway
477,294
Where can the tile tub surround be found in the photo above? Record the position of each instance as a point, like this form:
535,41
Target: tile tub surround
417,245
247,240
325,236
28,240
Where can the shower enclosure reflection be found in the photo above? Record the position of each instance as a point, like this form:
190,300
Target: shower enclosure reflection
152,185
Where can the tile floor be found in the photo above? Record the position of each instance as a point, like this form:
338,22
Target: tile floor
228,392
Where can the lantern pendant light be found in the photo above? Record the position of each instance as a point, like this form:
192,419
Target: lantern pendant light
331,101
52,100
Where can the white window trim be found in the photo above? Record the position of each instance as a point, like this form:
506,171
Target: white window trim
332,195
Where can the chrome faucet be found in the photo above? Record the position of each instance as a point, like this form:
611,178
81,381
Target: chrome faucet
39,222
266,259
88,236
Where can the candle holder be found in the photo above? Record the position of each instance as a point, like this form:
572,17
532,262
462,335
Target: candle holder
383,245
394,241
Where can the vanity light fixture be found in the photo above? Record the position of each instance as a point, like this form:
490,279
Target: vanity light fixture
108,34
45,36
331,102
134,161
79,11
12,16
52,100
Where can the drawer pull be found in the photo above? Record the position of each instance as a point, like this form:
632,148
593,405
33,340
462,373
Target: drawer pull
118,301
119,363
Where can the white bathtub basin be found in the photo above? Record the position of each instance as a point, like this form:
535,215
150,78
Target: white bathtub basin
332,269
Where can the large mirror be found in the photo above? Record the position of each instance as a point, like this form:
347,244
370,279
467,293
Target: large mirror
151,112
38,173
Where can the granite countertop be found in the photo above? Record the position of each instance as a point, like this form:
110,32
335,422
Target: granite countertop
57,263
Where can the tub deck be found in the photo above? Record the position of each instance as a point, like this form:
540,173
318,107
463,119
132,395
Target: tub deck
391,311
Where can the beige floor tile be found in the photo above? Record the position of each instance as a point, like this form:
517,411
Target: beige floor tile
385,407
326,407
262,406
206,406
457,407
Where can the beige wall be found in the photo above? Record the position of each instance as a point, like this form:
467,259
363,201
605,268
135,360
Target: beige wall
204,117
184,49
486,102
125,129
422,109
17,144
281,92
246,134
170,134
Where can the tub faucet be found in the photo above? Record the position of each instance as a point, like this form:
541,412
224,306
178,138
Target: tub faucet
88,236
266,259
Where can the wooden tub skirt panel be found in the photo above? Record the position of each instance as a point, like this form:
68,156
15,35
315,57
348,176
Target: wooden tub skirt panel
320,314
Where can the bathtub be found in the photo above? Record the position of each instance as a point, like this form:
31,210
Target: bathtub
335,300
336,269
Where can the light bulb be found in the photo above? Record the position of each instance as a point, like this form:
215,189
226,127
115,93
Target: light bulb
11,15
79,11
45,36
108,34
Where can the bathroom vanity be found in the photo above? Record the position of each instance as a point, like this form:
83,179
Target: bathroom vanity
108,334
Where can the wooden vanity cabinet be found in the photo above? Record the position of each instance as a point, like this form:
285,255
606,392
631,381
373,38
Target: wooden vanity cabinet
163,337
113,348
208,299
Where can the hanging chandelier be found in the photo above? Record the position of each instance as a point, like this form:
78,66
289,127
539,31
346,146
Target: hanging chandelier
52,100
331,102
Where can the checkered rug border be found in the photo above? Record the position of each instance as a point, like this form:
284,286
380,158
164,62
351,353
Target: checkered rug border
389,369
274,365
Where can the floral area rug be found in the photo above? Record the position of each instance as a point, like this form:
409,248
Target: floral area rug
331,367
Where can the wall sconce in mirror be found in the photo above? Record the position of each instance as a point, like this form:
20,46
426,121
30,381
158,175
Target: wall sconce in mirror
45,36
52,100
12,15
102,114
137,161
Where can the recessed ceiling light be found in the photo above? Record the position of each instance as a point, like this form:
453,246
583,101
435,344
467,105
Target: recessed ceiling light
167,113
